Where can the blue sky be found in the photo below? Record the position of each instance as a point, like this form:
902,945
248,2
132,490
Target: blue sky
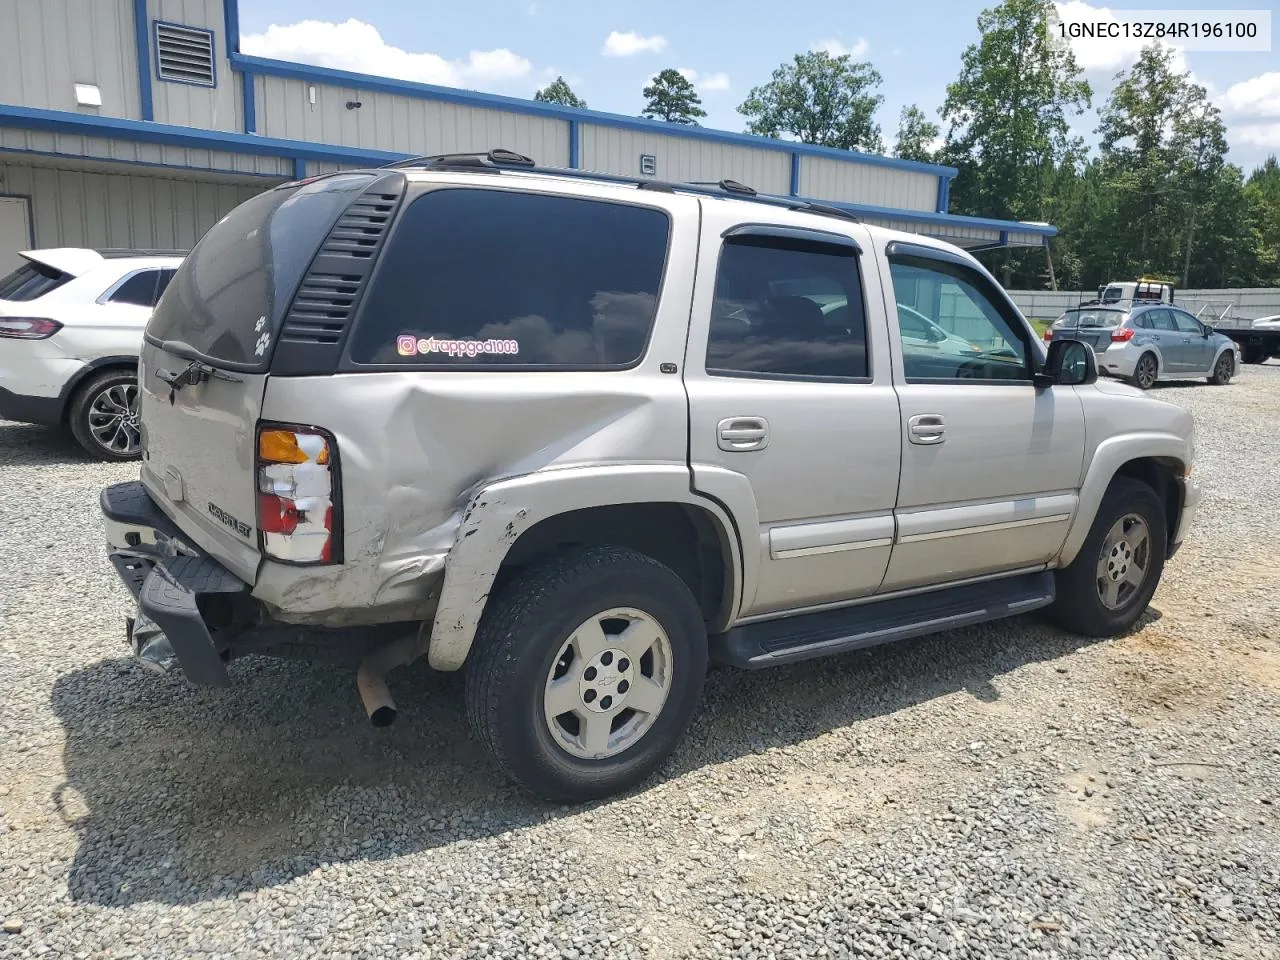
608,50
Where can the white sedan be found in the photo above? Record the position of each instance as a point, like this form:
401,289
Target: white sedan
71,323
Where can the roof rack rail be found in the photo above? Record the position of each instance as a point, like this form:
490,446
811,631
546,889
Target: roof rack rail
500,160
497,157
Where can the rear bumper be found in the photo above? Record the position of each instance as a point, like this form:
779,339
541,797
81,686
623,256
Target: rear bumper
191,597
24,408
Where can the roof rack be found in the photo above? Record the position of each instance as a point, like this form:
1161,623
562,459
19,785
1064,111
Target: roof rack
122,253
500,160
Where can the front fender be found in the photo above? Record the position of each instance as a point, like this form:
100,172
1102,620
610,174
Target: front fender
501,511
1110,455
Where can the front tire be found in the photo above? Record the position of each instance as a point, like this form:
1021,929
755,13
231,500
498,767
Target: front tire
1224,368
586,671
103,416
1109,584
1145,372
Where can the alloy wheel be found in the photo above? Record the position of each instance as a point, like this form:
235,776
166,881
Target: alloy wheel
113,419
1124,561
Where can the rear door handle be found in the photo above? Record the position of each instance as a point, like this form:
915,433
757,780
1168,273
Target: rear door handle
926,428
738,434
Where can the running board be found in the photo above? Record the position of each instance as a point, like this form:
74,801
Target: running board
806,636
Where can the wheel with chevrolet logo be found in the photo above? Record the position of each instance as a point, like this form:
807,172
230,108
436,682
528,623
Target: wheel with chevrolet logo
586,671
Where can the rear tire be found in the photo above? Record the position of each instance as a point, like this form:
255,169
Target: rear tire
602,632
103,416
1097,595
1224,368
1145,372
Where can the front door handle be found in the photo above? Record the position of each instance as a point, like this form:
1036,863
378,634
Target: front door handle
738,434
926,428
1186,339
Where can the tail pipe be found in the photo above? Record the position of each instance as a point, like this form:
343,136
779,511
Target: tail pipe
371,678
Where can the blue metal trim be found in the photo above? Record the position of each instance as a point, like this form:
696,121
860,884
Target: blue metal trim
213,46
575,145
231,20
1004,238
795,174
273,177
249,102
298,71
143,43
299,168
60,121
944,186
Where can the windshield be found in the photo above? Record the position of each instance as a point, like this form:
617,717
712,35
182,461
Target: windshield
1089,319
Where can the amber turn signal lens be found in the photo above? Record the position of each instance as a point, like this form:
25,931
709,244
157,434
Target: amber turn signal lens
281,446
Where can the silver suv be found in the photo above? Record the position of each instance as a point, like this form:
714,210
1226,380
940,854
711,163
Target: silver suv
578,435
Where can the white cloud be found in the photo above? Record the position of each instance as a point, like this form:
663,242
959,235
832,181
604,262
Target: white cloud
359,47
838,49
629,44
1256,97
709,83
1110,54
1263,135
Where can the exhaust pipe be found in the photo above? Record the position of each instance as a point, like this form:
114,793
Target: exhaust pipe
371,678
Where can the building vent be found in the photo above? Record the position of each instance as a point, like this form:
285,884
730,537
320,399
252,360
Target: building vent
184,54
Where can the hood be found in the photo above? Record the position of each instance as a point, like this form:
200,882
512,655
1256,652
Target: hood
73,260
1117,388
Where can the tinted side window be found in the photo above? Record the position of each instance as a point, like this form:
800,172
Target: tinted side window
489,277
983,341
143,289
786,309
1186,322
1141,321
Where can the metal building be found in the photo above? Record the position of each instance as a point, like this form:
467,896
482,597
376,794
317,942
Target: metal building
138,123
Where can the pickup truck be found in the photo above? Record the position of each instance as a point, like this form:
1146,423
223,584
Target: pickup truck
579,435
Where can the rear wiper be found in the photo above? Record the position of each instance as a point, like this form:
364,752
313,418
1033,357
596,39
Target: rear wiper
195,372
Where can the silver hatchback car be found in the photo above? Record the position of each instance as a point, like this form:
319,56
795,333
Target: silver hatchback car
1146,343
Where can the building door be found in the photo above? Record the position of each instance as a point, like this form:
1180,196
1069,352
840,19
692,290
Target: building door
15,232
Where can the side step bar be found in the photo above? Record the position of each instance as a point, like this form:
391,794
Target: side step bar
807,636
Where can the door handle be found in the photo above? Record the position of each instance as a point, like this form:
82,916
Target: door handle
926,428
1186,339
737,434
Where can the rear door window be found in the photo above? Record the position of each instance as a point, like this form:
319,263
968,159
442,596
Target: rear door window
143,289
494,278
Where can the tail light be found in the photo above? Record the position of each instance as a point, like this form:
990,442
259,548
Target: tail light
28,328
298,494
1122,335
1048,334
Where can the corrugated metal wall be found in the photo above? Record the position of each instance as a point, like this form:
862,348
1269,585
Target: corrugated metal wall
77,208
404,124
962,235
864,183
613,150
47,46
187,104
133,152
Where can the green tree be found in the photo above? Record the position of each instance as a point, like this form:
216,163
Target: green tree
1008,113
820,99
671,97
915,134
1262,199
558,91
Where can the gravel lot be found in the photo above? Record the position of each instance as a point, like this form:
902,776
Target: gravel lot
1002,791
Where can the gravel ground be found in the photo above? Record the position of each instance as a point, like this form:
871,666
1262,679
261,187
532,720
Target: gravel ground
1002,791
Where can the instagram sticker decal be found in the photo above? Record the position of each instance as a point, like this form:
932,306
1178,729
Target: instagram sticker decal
408,345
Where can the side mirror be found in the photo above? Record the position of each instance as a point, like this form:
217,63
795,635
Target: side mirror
1070,363
1206,330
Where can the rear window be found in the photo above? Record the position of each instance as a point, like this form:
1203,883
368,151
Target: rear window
229,296
499,278
31,281
1089,319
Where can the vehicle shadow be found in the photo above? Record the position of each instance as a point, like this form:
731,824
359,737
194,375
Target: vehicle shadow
182,795
29,445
